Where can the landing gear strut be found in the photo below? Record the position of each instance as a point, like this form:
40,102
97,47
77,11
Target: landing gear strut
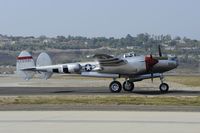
164,87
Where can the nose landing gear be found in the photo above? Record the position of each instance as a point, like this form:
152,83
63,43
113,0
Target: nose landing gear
164,87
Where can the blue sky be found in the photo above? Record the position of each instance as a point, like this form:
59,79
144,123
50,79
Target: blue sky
92,18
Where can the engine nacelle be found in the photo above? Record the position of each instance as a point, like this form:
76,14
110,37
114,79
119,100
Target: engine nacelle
146,76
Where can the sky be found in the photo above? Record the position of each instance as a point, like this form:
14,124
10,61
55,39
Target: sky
100,18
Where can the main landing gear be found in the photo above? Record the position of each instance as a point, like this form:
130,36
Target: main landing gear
128,86
116,86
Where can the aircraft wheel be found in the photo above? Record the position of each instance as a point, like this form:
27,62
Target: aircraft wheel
115,86
164,87
128,86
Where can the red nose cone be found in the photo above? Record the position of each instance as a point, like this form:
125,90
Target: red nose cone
150,62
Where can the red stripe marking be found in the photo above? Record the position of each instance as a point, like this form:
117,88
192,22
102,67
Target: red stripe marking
24,58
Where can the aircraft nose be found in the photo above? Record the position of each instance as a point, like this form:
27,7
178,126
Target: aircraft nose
177,63
174,61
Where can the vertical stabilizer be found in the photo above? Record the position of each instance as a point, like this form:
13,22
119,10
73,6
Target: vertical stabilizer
44,60
24,65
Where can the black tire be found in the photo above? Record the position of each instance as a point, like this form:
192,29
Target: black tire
115,87
128,86
164,88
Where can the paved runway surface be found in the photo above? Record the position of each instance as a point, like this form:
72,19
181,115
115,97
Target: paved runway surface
70,107
88,91
98,122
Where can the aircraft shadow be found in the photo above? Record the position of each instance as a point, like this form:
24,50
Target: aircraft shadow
90,91
138,91
63,92
171,92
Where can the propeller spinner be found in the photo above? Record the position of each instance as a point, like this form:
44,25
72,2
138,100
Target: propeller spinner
150,62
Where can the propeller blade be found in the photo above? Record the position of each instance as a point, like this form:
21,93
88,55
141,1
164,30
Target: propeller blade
152,77
159,50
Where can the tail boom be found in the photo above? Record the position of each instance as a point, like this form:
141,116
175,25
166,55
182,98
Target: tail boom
26,67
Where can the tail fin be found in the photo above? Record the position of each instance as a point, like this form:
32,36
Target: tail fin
44,60
25,65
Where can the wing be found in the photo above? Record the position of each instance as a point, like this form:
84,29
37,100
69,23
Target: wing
108,60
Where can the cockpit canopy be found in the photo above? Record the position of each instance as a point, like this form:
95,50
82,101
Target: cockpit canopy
127,55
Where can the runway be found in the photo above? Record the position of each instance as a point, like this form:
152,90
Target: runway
98,122
65,85
16,91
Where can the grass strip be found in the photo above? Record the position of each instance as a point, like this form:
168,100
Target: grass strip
106,100
193,81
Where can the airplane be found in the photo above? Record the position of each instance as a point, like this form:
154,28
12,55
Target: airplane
129,66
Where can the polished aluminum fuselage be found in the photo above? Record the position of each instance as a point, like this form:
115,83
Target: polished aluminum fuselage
136,66
133,66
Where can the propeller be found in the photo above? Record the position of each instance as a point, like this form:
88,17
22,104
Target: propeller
151,71
159,50
152,77
150,62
